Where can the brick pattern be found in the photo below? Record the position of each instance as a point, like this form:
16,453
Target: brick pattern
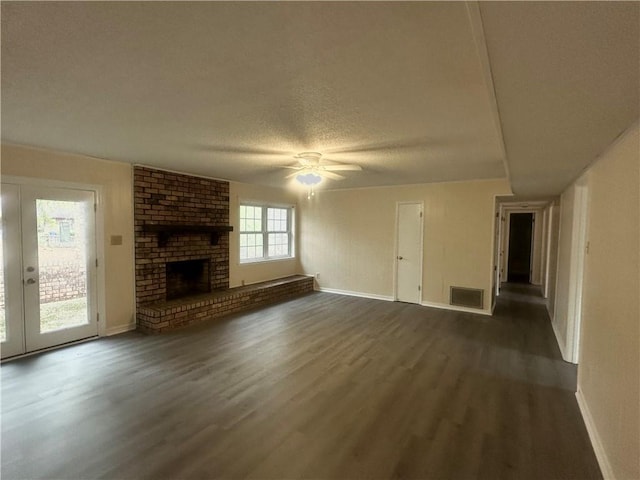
174,199
61,282
164,316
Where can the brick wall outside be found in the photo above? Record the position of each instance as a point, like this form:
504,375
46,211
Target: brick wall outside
62,282
166,198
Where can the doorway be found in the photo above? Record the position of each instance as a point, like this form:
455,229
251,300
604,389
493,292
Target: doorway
48,280
520,243
409,223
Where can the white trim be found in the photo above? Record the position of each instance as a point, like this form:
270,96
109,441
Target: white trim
559,341
119,329
349,293
101,281
596,442
290,232
420,203
444,306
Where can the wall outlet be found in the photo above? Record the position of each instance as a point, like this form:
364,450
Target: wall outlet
242,282
317,274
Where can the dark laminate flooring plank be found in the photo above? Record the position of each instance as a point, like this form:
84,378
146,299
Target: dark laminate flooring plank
323,386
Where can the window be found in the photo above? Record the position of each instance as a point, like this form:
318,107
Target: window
265,232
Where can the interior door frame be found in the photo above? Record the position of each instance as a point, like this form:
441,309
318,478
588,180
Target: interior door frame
508,241
576,269
420,203
99,232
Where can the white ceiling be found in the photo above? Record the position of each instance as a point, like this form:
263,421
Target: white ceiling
406,90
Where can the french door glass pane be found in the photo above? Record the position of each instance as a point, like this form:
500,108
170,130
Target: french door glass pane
62,261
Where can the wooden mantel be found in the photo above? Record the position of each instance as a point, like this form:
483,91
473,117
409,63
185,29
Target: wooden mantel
165,231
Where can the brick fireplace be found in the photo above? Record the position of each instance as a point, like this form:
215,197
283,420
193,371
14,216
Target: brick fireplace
182,254
176,222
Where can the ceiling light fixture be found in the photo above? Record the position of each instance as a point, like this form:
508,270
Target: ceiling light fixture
309,180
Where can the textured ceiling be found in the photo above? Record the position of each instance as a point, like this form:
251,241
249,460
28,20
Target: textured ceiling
234,90
567,82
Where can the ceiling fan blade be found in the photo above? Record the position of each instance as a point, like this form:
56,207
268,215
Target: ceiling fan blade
343,167
294,167
332,176
294,174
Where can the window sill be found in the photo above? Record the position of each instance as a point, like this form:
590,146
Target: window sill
265,260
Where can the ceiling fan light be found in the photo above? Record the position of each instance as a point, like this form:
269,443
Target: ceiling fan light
309,179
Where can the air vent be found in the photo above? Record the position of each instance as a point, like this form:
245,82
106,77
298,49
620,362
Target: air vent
466,297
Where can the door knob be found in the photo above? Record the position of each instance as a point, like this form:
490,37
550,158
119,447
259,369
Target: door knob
399,258
30,281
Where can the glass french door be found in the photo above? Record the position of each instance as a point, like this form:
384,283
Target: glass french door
47,289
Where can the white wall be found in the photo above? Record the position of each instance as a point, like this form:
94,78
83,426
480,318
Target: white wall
348,236
117,204
609,368
258,272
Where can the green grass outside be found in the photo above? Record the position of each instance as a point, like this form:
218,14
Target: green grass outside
55,315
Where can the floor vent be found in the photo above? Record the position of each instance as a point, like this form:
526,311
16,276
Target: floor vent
466,297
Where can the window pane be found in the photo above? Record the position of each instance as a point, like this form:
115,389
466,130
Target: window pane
250,218
277,219
250,246
278,244
62,240
276,226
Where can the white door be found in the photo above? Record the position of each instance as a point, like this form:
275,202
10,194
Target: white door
49,275
409,253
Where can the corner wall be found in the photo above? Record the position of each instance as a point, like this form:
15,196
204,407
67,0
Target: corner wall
609,368
117,204
349,238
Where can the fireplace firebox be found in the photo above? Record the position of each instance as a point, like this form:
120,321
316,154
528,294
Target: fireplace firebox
188,277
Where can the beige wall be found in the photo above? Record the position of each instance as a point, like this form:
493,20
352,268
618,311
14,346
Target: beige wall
117,205
257,272
609,369
348,237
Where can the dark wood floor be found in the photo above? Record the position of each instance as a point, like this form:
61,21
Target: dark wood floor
324,386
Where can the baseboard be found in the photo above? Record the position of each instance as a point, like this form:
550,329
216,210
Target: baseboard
349,293
559,342
601,455
119,329
444,306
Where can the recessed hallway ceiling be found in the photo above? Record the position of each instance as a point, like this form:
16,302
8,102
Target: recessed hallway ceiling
234,90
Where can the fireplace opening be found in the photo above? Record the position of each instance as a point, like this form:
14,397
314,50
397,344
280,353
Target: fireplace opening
188,277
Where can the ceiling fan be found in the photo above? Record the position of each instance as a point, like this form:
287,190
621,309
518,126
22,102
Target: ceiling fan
310,170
